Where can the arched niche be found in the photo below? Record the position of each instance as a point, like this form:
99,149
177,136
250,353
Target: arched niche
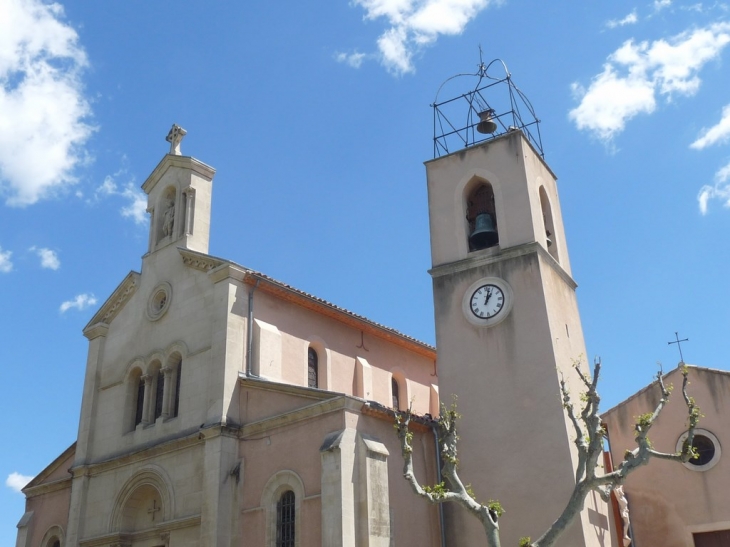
167,216
549,227
143,502
54,537
481,216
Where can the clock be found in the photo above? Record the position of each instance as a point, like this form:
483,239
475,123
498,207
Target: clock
487,301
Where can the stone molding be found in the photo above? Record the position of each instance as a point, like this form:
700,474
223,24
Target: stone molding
492,255
114,304
183,162
198,261
126,540
150,475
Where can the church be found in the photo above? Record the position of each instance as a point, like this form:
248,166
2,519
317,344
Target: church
222,407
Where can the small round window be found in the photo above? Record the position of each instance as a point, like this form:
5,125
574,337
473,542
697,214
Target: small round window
159,301
707,448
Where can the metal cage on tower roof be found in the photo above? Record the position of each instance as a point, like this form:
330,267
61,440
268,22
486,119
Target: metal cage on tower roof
495,106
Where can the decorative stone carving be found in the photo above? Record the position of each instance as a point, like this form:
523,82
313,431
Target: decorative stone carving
202,263
168,219
159,301
175,137
623,507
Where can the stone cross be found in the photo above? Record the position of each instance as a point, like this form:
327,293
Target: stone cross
154,509
175,137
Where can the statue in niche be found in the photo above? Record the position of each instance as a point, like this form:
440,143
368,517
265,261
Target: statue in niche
168,219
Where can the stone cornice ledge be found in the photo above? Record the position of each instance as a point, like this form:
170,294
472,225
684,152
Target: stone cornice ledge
113,305
117,537
227,271
491,258
341,402
183,162
200,261
48,487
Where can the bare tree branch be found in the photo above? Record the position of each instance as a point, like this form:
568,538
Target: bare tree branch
589,432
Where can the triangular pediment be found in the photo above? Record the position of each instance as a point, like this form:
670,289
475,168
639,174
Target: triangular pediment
183,162
113,304
56,471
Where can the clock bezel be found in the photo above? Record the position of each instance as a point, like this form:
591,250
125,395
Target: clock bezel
501,315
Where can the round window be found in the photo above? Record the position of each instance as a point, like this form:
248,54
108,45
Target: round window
707,448
159,301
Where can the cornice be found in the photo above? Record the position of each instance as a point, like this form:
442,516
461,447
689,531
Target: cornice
339,403
118,538
183,162
37,481
47,487
200,261
138,453
487,257
113,305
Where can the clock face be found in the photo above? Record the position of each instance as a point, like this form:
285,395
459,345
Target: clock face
487,301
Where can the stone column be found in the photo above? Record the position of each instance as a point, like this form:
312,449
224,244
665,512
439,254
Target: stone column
169,388
189,194
147,410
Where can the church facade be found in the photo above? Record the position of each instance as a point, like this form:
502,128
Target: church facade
222,407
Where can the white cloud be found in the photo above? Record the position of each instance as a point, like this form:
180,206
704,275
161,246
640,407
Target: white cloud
81,302
6,265
630,19
661,4
43,110
718,133
636,73
16,481
721,190
353,59
414,24
136,208
49,258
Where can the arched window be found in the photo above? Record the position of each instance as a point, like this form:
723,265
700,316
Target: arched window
396,393
176,405
139,401
285,520
312,368
481,217
159,393
56,543
547,219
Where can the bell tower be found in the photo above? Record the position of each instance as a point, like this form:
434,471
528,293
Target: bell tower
507,324
179,198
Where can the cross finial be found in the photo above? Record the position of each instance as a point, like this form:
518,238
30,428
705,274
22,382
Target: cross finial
175,137
679,345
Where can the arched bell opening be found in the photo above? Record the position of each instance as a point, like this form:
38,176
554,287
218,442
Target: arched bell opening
547,219
481,217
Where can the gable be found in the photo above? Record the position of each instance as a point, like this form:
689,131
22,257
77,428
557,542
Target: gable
57,470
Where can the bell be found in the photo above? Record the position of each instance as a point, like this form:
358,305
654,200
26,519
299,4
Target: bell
486,125
547,237
484,234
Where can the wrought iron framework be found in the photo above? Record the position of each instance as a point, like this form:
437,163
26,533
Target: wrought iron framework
455,120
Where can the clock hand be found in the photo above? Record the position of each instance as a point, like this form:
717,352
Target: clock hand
489,294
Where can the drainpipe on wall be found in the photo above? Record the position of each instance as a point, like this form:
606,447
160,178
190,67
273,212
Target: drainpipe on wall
249,329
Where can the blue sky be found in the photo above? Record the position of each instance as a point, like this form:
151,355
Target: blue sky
316,117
